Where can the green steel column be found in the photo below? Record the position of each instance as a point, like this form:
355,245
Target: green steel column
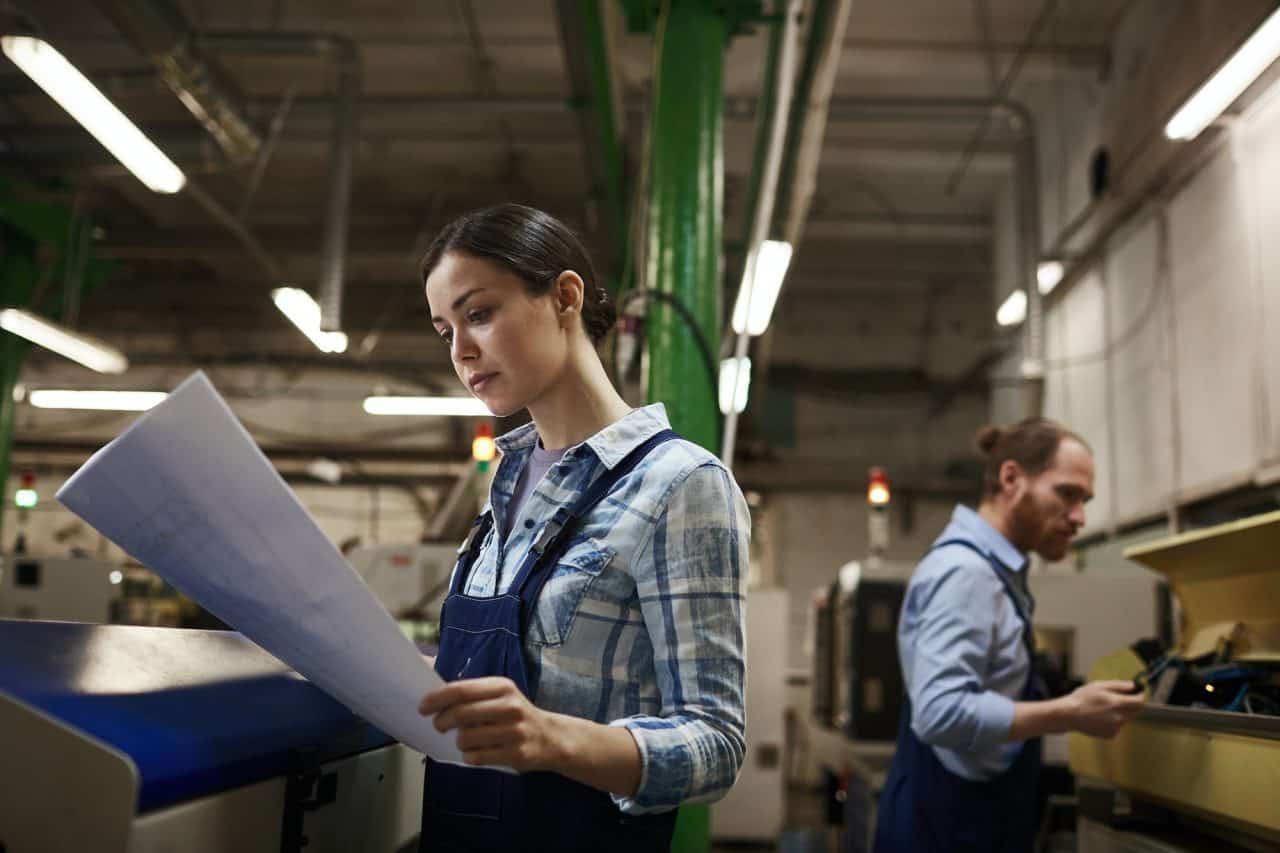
18,273
683,231
683,244
12,351
43,242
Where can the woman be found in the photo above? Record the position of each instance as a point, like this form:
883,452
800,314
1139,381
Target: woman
593,632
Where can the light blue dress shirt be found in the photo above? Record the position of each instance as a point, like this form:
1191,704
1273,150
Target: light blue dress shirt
964,658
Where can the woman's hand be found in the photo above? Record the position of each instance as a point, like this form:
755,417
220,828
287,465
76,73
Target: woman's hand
496,723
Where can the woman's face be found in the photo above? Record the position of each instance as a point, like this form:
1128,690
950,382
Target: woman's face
507,345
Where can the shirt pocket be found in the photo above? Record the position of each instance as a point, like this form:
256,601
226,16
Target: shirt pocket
561,596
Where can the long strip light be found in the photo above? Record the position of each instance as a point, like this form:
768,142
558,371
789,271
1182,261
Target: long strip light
735,384
1013,310
304,312
102,401
92,353
462,407
761,282
51,71
1228,82
1049,275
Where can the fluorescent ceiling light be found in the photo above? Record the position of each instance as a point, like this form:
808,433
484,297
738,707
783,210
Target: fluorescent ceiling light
304,312
1048,275
735,382
761,282
463,407
1014,309
326,470
74,93
105,401
1228,82
88,351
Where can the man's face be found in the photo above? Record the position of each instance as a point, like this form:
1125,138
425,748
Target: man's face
1047,510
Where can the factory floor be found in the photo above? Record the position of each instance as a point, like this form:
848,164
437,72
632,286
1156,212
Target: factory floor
804,830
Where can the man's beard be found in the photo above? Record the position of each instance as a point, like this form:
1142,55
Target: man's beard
1025,524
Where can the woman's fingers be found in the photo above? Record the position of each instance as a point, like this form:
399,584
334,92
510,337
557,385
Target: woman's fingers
486,737
481,713
465,690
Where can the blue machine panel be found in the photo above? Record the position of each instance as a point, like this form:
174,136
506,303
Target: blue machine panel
198,711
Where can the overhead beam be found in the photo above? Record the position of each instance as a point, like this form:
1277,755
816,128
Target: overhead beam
880,382
902,229
447,461
794,476
439,469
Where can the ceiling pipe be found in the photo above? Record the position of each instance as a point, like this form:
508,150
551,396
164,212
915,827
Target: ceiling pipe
159,31
345,56
807,125
808,143
765,194
274,270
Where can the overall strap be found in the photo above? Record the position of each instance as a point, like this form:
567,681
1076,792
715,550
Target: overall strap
1028,633
469,550
557,532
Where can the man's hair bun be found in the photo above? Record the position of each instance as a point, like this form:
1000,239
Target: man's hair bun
988,437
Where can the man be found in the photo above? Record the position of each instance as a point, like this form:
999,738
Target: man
968,755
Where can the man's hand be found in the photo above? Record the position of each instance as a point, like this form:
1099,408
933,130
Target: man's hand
496,723
1100,708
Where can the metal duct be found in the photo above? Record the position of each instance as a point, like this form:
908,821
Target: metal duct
762,216
158,30
346,57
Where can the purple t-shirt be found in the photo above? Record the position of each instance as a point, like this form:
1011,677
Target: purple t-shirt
537,465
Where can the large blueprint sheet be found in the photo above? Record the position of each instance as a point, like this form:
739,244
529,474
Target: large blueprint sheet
187,492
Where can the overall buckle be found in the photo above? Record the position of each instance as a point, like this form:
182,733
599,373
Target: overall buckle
552,530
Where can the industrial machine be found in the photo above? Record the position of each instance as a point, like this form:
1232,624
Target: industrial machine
1204,756
406,578
69,589
127,739
867,693
823,679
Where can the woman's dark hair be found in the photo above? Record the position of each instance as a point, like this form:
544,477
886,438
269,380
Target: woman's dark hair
1032,443
535,246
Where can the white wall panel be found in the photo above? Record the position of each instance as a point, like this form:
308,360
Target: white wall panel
1140,375
1259,152
1082,373
1214,305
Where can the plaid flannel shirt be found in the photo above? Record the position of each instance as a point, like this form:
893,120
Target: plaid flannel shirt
641,623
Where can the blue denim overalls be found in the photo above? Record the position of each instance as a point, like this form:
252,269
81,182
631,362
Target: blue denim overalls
475,809
926,808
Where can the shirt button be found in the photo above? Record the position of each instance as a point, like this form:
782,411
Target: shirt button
528,523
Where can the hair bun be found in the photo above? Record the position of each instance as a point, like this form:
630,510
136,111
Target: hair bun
988,437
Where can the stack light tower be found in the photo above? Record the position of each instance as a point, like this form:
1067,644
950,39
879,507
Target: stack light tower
878,499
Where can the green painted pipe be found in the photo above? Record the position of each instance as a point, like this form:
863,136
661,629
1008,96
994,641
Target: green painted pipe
685,216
